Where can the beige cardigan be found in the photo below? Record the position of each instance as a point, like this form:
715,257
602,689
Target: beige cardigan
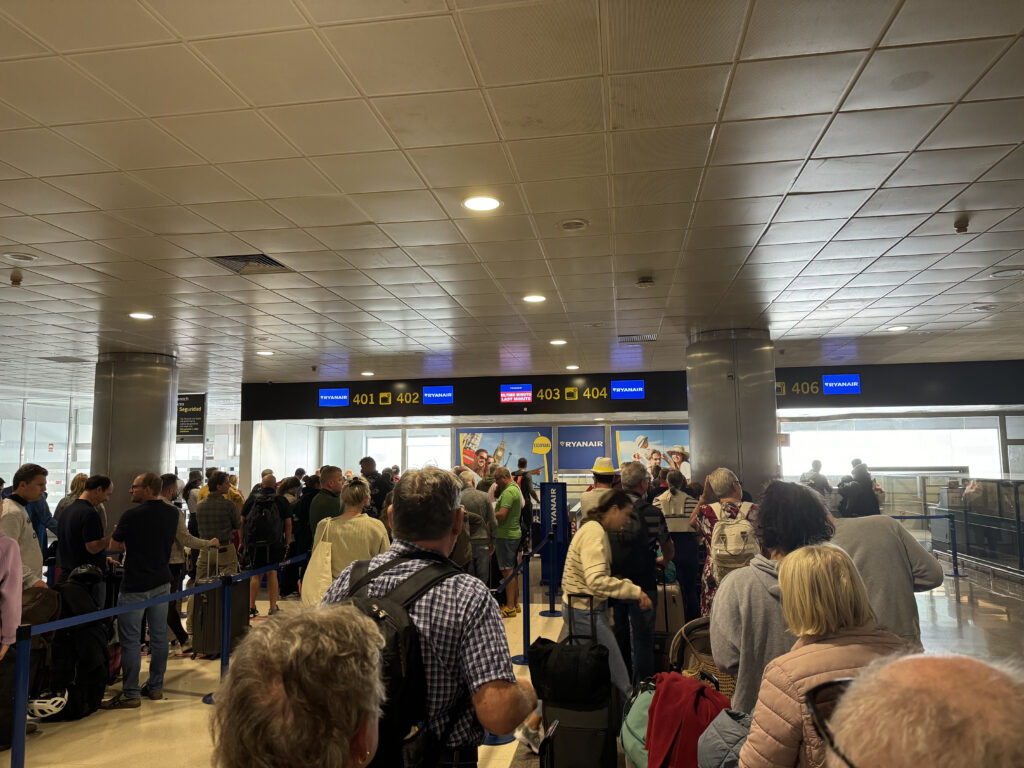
588,568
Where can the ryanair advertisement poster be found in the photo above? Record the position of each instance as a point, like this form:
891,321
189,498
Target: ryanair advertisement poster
506,445
655,446
579,447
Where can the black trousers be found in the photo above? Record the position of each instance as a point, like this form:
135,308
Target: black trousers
174,609
689,566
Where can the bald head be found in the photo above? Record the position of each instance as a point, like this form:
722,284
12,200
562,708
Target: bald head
269,481
931,710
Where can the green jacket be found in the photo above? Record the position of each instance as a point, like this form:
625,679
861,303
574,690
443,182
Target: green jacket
325,504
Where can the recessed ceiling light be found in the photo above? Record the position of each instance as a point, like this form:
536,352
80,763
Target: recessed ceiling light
264,353
898,328
572,367
367,373
20,258
573,225
599,418
985,307
481,203
262,338
559,342
1005,273
140,316
533,298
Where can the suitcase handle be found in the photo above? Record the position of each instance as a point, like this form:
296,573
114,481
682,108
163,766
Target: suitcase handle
593,618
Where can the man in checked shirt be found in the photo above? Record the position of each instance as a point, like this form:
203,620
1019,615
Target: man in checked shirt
470,683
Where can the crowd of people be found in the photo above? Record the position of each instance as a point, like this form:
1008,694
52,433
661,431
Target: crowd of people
810,609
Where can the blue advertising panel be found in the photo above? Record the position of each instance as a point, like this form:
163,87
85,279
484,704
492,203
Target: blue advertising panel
579,447
332,398
628,389
439,395
841,384
515,393
655,446
507,446
554,518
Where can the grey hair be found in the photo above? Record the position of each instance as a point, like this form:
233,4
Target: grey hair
467,478
299,688
424,504
633,474
913,725
722,480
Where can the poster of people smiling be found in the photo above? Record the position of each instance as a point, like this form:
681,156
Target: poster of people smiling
656,446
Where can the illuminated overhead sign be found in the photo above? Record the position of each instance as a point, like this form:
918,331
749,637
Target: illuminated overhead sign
333,398
840,384
628,389
439,395
516,393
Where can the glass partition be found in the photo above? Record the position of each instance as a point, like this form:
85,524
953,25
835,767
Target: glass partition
428,447
46,442
10,438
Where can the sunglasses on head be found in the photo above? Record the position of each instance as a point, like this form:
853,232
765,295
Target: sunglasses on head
821,701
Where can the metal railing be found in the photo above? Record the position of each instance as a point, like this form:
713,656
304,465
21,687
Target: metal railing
26,632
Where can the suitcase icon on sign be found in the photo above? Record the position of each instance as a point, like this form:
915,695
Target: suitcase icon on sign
572,393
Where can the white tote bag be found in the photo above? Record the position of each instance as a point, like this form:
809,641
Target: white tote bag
319,576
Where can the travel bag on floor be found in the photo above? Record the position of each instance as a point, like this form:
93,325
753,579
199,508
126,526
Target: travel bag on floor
206,624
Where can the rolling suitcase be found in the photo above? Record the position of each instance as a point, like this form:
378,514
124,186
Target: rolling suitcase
206,625
667,623
585,738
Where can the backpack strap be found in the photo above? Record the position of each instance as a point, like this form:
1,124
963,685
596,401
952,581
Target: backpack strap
359,580
425,579
744,510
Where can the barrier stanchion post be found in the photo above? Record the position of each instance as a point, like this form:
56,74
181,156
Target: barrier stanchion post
551,612
23,648
520,659
952,545
225,623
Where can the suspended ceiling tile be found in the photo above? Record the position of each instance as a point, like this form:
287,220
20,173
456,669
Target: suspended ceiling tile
977,221
245,214
924,21
562,157
826,25
166,220
81,251
52,91
661,149
498,228
436,119
280,178
161,80
196,184
226,137
319,211
109,190
836,173
802,231
924,199
68,25
548,109
464,165
437,255
661,35
809,206
10,119
35,196
370,172
213,244
93,225
751,180
352,236
799,86
673,97
1003,80
423,233
542,41
314,128
26,229
371,258
403,56
928,74
566,194
979,123
655,187
14,43
199,18
945,166
131,144
42,153
385,207
755,141
644,218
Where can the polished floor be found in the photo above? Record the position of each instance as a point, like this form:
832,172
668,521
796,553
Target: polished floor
957,618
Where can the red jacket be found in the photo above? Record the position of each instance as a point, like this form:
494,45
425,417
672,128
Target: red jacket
680,711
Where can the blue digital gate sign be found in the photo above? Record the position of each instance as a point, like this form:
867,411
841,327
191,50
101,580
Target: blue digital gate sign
628,389
333,398
439,395
516,393
840,384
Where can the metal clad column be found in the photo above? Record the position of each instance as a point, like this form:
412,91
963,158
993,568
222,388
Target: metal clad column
133,421
730,390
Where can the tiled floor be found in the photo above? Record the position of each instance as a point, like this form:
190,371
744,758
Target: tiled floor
956,617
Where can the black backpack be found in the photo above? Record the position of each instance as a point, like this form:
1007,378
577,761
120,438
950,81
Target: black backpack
632,555
405,740
263,523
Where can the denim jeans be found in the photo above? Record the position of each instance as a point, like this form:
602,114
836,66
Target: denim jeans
129,627
634,631
578,621
482,561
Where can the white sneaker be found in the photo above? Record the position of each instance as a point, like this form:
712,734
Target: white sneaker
530,738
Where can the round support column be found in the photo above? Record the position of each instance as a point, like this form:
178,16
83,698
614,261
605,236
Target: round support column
730,390
133,421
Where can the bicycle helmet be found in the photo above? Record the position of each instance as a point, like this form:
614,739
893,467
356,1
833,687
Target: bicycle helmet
47,704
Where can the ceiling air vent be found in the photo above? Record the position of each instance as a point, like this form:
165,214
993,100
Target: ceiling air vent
65,360
638,338
252,264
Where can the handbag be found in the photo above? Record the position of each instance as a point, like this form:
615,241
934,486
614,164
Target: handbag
319,574
573,673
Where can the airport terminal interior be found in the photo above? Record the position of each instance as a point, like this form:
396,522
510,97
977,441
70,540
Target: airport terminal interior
754,234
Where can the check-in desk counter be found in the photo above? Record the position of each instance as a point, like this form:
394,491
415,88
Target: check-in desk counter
987,514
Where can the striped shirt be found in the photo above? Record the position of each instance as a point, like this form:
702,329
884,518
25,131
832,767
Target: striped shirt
461,636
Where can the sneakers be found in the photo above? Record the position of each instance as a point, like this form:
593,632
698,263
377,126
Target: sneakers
120,701
254,612
530,738
519,609
508,613
151,694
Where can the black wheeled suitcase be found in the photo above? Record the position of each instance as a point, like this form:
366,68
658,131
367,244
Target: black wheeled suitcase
206,625
585,737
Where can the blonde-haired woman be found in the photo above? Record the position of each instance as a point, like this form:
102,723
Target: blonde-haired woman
74,491
353,535
826,607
